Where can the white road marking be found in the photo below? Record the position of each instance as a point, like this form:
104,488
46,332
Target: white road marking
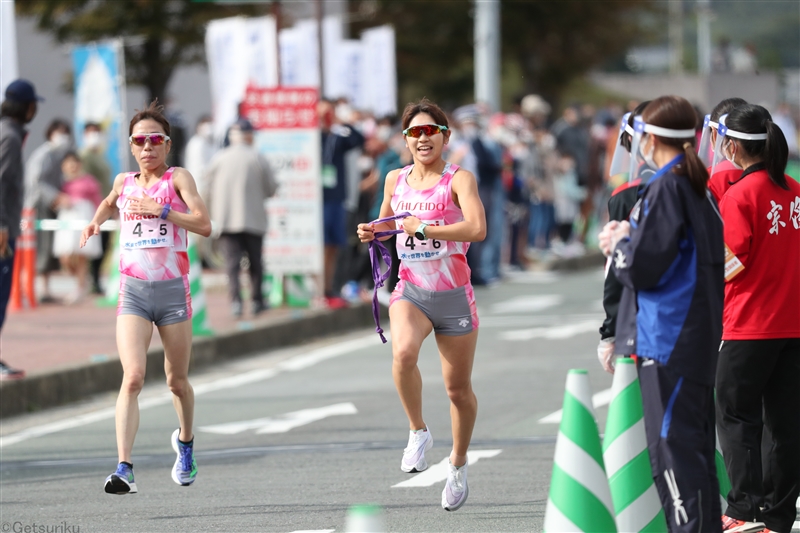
438,472
598,400
554,332
527,304
314,531
299,362
527,321
282,423
532,277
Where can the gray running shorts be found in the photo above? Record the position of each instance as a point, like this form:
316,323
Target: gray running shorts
452,312
161,302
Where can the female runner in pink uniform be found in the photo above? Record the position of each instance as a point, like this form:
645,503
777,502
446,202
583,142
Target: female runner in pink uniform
434,292
157,206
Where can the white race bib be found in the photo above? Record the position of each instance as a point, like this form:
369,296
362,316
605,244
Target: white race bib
410,248
138,231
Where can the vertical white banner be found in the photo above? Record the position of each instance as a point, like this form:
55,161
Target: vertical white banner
350,63
379,70
300,55
240,52
9,70
332,37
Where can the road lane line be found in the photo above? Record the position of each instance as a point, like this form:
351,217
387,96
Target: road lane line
293,364
598,400
564,331
282,423
438,472
527,304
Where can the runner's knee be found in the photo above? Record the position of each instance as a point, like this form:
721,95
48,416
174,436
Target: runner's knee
133,381
178,385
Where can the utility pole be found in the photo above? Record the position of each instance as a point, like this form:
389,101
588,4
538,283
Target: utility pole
704,37
676,36
487,53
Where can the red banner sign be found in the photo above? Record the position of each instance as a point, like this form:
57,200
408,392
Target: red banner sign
281,108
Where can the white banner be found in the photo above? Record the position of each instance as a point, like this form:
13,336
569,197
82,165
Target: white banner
379,71
9,70
240,52
300,55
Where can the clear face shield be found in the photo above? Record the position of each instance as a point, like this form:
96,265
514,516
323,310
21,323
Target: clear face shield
718,155
636,158
621,160
724,136
642,147
704,149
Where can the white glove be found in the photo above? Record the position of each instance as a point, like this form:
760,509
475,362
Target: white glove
605,353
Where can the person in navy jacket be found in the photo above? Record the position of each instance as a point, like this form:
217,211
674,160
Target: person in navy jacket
670,260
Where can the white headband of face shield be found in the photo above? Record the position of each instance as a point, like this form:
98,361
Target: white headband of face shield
726,132
669,133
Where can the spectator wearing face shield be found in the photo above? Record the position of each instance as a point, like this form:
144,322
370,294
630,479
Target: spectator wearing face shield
43,183
95,163
721,171
759,359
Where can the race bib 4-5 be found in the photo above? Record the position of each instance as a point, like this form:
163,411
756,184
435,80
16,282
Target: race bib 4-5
145,231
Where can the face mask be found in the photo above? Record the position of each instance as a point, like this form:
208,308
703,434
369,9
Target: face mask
730,157
60,139
205,130
648,157
92,139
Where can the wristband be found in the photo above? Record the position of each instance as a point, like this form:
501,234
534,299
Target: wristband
165,211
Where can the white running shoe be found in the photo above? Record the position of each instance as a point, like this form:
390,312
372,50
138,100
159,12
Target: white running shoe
455,490
419,442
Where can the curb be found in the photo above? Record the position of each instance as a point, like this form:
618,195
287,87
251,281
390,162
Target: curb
76,382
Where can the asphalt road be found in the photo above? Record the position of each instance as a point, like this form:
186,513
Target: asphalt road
289,440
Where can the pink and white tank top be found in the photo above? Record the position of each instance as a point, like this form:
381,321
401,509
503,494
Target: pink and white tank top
431,264
151,248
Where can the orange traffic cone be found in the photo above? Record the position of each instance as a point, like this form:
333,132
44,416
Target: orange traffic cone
24,277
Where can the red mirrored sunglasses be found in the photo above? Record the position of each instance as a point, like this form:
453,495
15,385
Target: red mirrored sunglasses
428,129
155,139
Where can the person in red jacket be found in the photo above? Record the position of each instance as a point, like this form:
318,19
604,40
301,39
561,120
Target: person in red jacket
721,172
758,374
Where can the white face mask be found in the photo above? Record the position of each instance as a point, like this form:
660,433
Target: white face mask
730,157
92,139
60,139
648,157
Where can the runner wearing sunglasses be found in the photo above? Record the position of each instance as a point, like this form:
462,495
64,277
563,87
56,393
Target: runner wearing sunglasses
434,292
157,205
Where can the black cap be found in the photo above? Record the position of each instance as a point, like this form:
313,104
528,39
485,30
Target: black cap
22,91
243,125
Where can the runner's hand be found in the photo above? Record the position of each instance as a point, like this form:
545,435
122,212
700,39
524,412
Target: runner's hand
144,206
90,230
605,353
366,232
411,225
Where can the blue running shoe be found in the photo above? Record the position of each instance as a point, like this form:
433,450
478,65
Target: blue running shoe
121,481
185,469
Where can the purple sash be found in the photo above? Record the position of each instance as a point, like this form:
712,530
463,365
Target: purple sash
377,251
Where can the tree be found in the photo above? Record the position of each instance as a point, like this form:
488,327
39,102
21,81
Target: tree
164,33
551,42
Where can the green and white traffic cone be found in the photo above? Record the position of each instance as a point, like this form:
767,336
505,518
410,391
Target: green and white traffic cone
364,519
627,460
272,289
722,476
200,326
111,296
580,499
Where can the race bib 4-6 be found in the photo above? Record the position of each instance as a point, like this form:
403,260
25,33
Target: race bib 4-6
145,231
409,248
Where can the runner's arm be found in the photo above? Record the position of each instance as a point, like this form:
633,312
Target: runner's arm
197,219
386,210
